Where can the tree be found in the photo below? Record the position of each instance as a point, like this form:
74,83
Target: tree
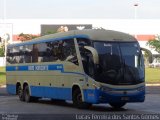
25,37
2,48
1,52
50,32
155,44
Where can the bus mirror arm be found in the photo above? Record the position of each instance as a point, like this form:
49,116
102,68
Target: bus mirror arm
149,54
94,53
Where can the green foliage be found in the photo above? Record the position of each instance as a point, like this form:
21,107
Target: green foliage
25,37
50,32
1,52
155,44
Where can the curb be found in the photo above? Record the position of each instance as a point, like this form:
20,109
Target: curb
152,84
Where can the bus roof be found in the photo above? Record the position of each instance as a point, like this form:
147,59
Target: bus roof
93,34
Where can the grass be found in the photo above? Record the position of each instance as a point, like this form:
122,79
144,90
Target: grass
2,76
152,75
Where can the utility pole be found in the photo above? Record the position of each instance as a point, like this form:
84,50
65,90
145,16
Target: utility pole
135,10
135,15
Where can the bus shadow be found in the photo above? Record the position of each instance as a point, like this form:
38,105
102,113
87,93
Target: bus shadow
55,102
106,109
94,108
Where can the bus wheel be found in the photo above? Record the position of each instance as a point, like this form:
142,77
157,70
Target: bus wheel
27,94
20,93
77,100
117,105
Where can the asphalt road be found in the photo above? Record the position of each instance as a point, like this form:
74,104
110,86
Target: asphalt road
11,105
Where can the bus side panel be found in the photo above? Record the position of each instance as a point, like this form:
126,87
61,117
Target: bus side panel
10,82
11,89
51,92
91,95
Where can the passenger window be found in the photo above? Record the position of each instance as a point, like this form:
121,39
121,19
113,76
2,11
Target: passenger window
43,52
15,57
85,54
69,51
28,53
35,53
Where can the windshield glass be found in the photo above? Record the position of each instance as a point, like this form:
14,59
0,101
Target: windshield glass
131,54
120,62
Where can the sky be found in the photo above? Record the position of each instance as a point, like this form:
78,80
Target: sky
77,9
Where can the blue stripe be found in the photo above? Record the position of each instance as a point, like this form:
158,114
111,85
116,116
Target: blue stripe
35,67
57,67
47,40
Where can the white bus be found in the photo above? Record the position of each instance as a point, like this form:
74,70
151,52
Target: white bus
85,66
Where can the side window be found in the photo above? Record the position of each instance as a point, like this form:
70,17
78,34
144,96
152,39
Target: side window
12,54
69,51
35,53
9,56
42,52
28,53
52,51
48,52
20,57
85,54
15,52
58,50
83,41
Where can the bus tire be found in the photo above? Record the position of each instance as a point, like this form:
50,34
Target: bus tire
117,105
27,94
77,100
20,93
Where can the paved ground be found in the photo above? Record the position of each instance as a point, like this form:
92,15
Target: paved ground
11,105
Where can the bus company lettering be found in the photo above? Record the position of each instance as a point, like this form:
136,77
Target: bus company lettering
30,68
38,68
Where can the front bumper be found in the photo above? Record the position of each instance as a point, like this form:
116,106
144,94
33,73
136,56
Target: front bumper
98,96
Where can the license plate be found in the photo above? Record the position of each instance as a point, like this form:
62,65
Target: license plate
125,98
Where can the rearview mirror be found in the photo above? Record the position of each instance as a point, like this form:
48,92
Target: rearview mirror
94,53
150,57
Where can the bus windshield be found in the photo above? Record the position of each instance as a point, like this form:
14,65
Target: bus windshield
120,62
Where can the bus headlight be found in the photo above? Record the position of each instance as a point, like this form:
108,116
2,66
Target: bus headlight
95,86
140,89
105,89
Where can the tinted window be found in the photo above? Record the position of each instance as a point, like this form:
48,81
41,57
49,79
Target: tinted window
43,52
